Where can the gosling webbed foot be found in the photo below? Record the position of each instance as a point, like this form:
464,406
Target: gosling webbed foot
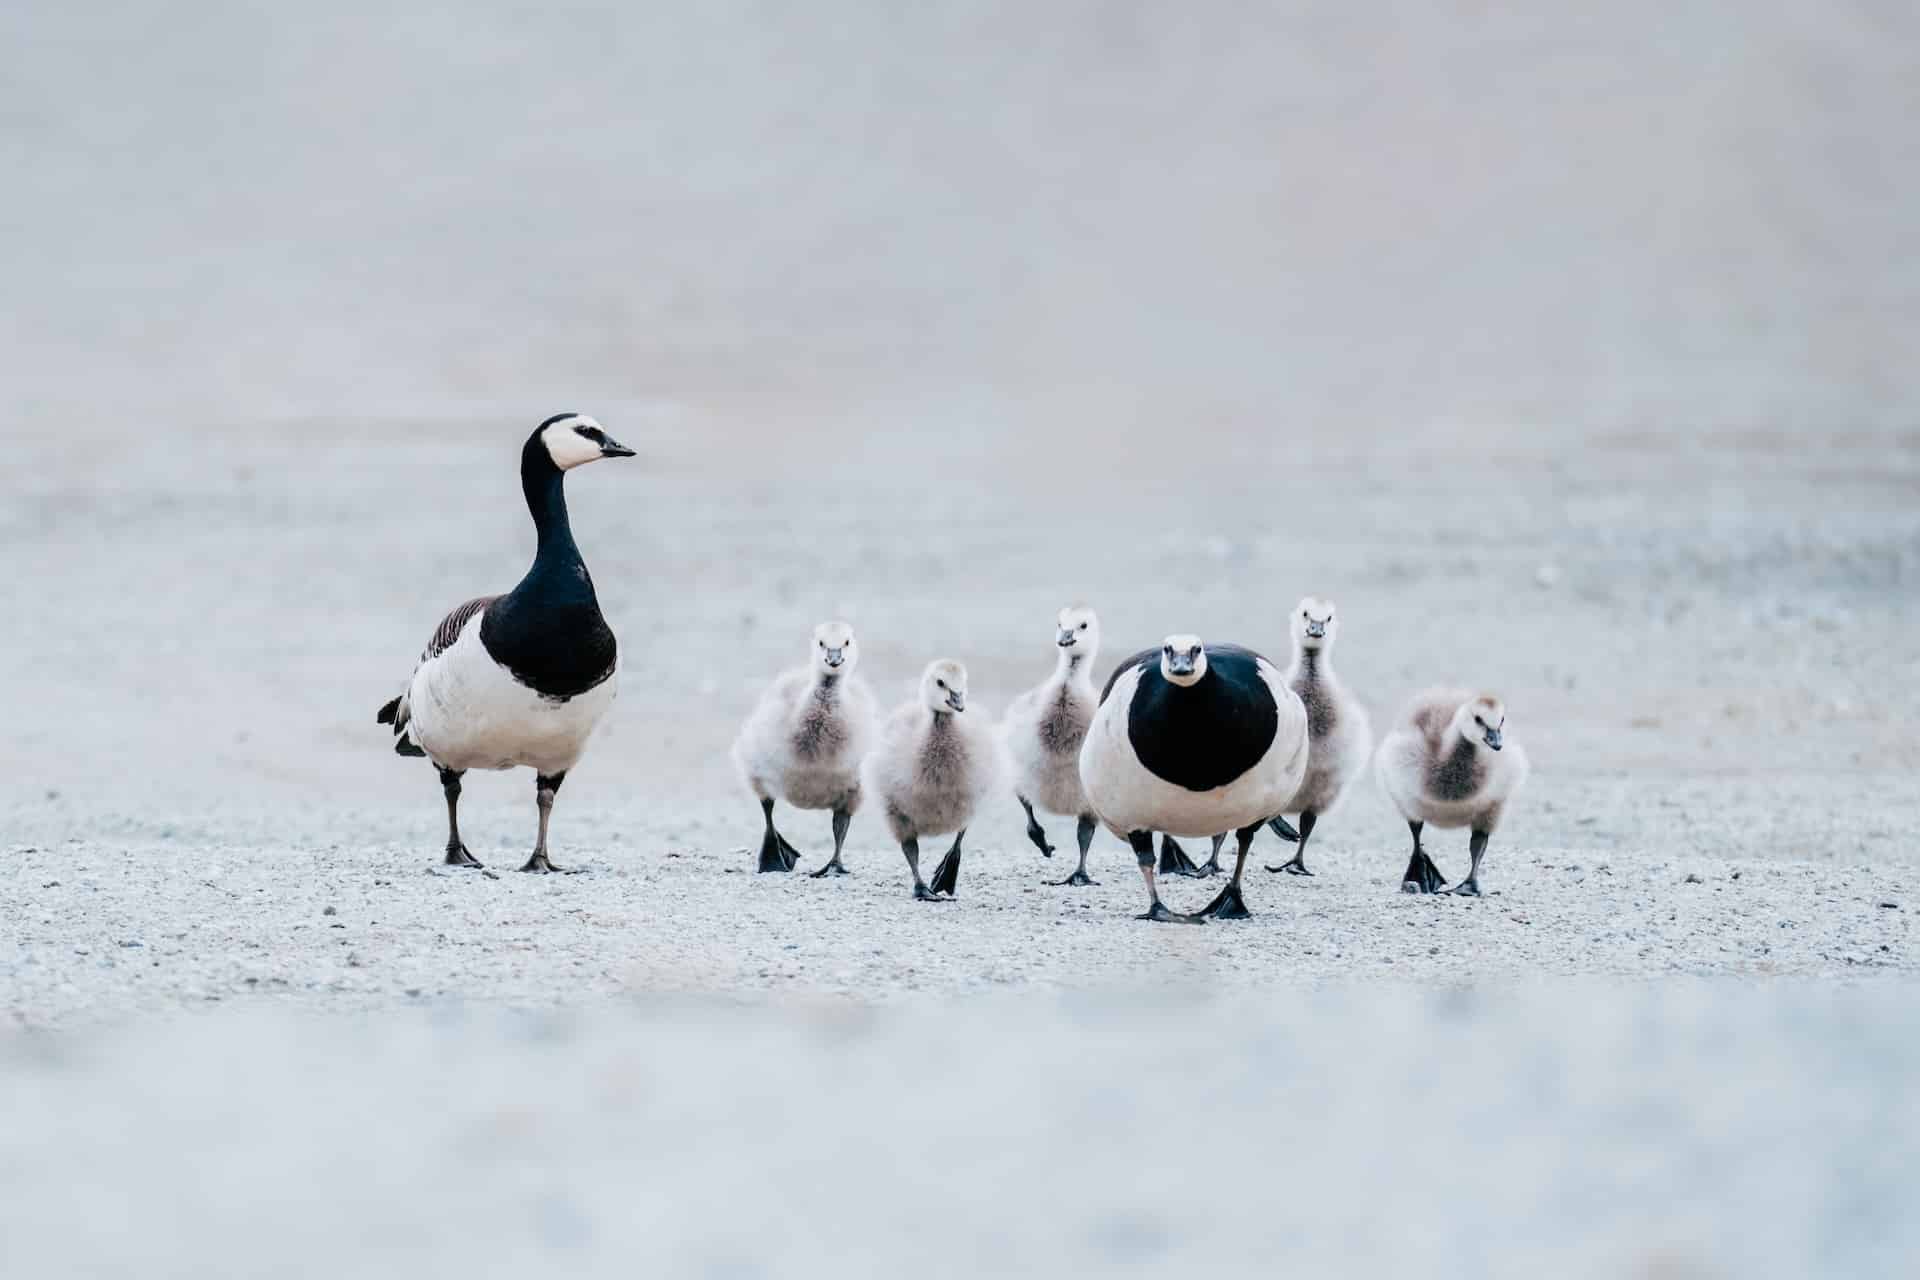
1079,877
1422,876
775,853
1468,888
833,868
1174,860
946,876
923,894
1297,867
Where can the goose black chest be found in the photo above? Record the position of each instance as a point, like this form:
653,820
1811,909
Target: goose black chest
1207,735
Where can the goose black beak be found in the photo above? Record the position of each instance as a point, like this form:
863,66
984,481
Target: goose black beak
614,449
1180,666
1493,739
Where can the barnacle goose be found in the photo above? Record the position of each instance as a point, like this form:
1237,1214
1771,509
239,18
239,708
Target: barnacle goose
519,679
1193,739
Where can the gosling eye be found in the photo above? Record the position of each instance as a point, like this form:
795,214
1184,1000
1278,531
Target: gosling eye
1083,626
941,683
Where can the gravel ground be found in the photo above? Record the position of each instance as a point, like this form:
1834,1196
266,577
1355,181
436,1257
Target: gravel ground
114,931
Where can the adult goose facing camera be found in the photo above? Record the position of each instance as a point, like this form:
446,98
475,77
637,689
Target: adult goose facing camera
521,679
1194,739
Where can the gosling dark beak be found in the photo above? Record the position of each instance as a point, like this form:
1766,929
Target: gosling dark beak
958,701
835,657
614,449
1493,739
1316,631
1066,639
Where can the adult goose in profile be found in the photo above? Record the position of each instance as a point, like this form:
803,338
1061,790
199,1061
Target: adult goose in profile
1194,739
935,762
804,741
1448,762
519,679
1043,730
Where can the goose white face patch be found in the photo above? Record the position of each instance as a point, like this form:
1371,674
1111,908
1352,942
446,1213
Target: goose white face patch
566,446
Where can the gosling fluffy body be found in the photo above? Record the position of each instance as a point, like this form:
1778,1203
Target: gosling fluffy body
804,740
932,767
1449,763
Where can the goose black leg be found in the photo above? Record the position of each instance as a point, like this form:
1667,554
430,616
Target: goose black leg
1142,842
1211,867
547,786
1228,904
1470,887
1088,825
946,876
1422,876
841,820
457,855
911,848
775,853
1298,867
1174,860
1035,832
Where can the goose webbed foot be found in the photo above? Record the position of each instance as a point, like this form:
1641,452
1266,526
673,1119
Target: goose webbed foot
457,856
1159,913
1422,876
1227,904
833,868
776,854
1211,867
1284,829
539,865
1174,860
1079,877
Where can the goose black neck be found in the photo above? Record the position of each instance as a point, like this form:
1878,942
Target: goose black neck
544,485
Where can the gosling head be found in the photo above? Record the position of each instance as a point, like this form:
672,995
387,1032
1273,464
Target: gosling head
1482,721
1079,633
1183,660
573,439
944,687
1313,624
834,650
